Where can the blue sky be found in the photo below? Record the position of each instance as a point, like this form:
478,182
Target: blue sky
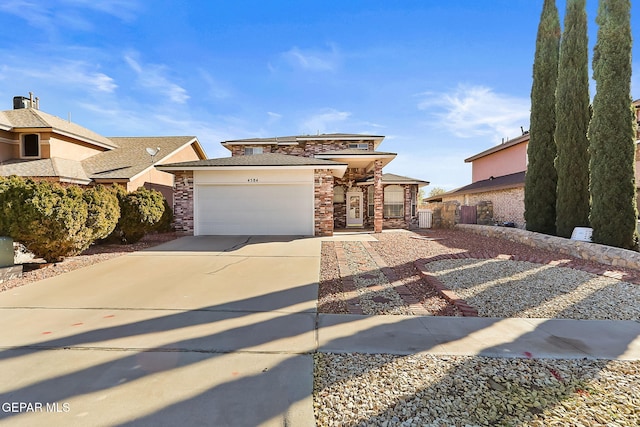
442,80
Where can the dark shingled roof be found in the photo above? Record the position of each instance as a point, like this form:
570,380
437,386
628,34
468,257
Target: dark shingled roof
268,159
513,180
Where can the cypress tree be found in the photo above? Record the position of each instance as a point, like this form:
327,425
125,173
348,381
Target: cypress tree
611,132
541,178
572,123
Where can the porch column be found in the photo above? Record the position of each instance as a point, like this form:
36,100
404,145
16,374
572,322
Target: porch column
378,203
407,205
183,202
323,202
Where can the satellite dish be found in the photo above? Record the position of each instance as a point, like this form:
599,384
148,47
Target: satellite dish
152,152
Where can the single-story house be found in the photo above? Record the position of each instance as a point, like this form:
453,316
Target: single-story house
293,185
42,146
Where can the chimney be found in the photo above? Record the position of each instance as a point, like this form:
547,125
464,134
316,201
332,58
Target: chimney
30,99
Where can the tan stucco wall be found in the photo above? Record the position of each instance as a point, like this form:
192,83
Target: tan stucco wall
504,162
6,148
70,150
184,155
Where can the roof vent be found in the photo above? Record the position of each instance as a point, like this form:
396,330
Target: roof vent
21,102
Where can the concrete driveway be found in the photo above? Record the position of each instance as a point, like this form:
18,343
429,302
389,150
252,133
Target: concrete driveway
186,333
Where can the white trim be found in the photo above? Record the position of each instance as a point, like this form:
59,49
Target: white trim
360,221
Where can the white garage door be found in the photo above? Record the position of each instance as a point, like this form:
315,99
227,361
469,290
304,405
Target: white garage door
263,209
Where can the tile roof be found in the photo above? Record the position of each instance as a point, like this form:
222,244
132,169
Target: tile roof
267,159
32,118
131,158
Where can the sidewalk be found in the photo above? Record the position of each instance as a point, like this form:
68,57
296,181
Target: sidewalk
490,337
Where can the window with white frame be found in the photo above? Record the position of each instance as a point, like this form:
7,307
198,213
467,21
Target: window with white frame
393,201
31,145
371,205
252,150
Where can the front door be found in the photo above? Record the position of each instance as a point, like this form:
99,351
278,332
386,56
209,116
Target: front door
354,209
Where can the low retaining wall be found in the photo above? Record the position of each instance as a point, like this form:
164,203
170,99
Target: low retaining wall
585,250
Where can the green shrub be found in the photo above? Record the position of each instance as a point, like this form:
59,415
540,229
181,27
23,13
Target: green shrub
166,221
140,213
104,211
47,218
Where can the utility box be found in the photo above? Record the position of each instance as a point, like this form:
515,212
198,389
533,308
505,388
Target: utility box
6,252
425,218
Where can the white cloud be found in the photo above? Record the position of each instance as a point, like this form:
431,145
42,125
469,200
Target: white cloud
215,89
313,60
78,74
273,117
47,16
125,10
472,111
152,76
324,121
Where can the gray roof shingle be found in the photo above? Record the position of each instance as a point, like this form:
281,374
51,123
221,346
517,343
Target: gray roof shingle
131,158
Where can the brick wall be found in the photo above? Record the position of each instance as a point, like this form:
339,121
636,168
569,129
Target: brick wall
323,202
183,202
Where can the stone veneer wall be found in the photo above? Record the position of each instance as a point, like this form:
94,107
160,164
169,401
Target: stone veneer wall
508,204
183,202
323,202
307,148
378,197
609,255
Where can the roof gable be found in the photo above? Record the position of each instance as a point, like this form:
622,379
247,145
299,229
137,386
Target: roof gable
31,118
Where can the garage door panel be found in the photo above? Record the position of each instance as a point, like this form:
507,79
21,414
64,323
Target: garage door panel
281,209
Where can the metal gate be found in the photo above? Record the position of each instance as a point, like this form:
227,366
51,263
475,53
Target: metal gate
468,215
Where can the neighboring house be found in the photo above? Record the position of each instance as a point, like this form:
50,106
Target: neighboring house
497,176
295,185
42,146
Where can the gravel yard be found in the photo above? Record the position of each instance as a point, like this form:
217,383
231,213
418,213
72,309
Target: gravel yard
425,390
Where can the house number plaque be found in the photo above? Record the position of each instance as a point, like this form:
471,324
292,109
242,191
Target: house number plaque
252,180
